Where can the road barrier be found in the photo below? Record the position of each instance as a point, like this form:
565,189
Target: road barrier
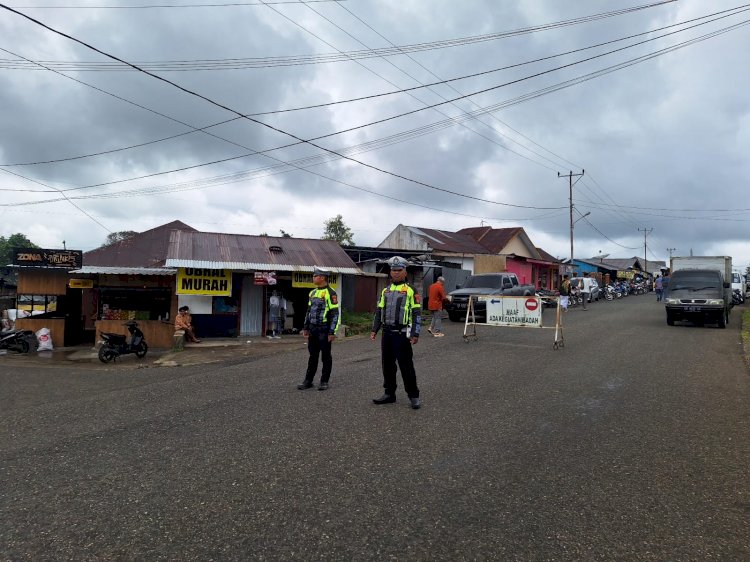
513,312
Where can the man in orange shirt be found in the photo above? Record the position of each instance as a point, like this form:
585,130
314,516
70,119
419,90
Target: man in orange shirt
436,296
183,321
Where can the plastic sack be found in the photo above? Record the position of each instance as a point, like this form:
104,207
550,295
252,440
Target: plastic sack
45,340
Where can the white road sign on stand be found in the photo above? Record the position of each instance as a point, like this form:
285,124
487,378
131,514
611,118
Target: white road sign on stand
513,311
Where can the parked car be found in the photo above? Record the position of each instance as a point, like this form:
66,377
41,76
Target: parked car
595,289
484,284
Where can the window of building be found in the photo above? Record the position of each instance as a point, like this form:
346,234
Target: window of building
37,304
134,304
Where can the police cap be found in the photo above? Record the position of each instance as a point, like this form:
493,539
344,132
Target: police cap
397,262
320,271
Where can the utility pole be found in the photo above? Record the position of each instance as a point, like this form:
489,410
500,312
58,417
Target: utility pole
646,232
670,250
570,177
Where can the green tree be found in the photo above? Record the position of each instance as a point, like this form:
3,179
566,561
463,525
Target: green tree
285,234
16,240
114,237
336,229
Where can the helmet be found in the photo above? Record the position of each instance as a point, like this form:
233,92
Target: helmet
320,271
397,262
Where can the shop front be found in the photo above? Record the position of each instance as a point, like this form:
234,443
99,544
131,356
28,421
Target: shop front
44,299
111,296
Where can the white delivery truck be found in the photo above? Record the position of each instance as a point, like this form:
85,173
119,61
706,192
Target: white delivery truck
699,290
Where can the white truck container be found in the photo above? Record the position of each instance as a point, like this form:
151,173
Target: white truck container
722,263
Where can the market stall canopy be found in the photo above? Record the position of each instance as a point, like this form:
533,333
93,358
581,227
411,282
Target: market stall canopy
243,252
125,270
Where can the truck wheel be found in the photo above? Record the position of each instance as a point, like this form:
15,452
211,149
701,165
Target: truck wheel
723,320
670,319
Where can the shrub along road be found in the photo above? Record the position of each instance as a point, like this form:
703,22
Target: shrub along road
632,442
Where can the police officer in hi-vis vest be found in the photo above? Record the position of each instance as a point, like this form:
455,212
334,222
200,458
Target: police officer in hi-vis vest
321,324
398,314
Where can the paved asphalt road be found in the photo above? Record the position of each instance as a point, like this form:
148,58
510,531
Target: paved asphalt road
631,443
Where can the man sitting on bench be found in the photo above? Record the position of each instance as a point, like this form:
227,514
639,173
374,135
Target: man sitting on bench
183,321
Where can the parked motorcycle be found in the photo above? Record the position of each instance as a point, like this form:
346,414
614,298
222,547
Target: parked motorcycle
16,340
116,344
737,297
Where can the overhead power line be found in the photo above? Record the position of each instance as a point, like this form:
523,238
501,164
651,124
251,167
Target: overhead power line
424,130
152,6
350,100
271,127
295,60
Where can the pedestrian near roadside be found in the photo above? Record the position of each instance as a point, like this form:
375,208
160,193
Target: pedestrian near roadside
436,296
585,288
322,322
665,286
658,286
184,321
277,311
398,314
565,292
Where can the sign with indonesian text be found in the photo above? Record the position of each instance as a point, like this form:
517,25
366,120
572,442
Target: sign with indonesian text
304,280
525,312
81,283
197,281
264,278
37,257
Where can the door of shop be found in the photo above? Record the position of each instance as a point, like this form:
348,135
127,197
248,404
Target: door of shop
251,314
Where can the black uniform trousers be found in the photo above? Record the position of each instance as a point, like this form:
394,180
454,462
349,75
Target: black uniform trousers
396,348
318,344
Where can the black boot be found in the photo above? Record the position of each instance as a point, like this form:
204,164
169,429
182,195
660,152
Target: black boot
416,403
305,385
385,399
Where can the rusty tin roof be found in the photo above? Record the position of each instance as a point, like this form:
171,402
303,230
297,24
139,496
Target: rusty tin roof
215,250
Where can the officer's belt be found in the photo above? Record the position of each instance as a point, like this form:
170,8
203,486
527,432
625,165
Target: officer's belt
395,329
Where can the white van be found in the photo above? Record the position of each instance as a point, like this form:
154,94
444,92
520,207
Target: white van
738,282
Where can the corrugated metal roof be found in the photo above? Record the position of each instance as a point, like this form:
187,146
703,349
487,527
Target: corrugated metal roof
145,249
214,250
446,241
87,269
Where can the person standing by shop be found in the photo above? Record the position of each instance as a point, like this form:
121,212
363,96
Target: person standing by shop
436,295
277,314
585,288
665,286
398,314
321,325
565,292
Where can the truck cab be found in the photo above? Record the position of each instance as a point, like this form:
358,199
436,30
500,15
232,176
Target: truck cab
700,296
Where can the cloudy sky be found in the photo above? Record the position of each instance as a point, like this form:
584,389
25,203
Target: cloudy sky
661,126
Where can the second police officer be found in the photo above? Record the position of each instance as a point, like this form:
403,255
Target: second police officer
398,314
321,324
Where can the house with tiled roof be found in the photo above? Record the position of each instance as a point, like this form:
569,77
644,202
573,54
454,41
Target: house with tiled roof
480,250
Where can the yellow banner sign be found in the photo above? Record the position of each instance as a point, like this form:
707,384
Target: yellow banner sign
196,281
304,280
81,283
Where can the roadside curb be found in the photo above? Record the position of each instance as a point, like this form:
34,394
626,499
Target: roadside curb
745,336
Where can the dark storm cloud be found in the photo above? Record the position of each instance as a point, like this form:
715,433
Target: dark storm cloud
667,134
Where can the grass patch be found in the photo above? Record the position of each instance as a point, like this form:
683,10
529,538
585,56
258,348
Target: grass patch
357,322
746,326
